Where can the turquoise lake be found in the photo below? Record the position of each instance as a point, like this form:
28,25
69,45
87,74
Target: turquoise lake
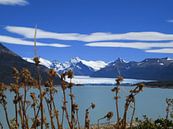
150,102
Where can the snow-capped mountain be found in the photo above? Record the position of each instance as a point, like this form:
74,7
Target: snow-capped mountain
150,69
79,66
95,65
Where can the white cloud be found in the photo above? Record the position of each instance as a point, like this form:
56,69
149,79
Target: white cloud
136,45
145,36
12,40
29,33
93,37
13,2
170,20
164,50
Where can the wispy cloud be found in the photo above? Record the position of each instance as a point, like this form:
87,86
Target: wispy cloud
171,20
18,41
29,32
136,45
164,50
97,39
140,36
14,2
93,37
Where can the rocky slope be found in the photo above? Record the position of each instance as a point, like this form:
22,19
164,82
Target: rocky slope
9,59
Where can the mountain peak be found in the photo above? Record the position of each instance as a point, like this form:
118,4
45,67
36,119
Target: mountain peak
75,60
120,60
167,58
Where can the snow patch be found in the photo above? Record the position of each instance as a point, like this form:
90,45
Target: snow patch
169,59
43,61
96,65
28,59
161,63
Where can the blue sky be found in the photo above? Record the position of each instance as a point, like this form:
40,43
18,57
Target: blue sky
90,29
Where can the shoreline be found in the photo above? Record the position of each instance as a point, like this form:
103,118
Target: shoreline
159,84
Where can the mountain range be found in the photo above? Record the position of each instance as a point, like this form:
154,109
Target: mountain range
9,59
149,69
79,66
160,69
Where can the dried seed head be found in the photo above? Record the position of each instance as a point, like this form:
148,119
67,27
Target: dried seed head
70,74
52,72
38,122
36,60
49,83
43,94
25,72
114,89
75,106
14,88
93,105
119,79
140,85
138,89
46,84
63,76
131,97
26,76
33,96
15,73
109,115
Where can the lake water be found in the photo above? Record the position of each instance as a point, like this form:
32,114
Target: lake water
150,102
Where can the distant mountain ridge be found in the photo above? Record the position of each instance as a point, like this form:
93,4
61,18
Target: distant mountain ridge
9,59
149,68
